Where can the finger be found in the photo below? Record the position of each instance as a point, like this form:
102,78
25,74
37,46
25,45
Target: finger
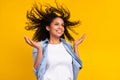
32,43
84,35
25,37
27,40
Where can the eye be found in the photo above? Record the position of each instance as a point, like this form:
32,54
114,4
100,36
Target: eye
56,24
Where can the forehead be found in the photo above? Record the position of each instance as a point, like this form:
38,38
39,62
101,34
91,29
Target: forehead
57,19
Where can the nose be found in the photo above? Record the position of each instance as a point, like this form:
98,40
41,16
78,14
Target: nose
61,26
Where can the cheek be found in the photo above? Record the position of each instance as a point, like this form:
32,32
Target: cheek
63,29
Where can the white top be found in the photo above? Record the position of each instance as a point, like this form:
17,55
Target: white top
59,63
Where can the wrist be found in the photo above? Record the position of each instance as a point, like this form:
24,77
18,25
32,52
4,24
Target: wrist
75,45
38,48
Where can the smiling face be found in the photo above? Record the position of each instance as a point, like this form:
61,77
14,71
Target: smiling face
56,28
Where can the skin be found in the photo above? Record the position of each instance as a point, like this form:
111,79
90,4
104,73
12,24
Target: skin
77,42
56,30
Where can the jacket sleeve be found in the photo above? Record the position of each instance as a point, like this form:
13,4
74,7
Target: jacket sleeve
78,59
34,55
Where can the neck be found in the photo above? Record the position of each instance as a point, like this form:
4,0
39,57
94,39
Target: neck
54,40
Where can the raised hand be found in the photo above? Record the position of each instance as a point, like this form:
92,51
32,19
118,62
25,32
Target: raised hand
32,43
77,42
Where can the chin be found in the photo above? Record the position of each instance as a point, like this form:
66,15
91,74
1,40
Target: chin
59,36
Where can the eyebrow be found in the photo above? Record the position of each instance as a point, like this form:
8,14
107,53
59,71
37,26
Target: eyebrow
58,22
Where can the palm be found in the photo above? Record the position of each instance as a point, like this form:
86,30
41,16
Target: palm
77,42
31,43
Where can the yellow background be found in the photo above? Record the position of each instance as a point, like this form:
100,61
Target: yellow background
99,52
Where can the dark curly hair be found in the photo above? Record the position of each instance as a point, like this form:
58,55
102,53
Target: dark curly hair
39,18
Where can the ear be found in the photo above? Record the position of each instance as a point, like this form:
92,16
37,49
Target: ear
47,28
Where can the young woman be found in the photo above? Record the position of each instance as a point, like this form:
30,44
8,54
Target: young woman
54,58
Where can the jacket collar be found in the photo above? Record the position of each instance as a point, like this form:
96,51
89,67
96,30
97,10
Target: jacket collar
46,40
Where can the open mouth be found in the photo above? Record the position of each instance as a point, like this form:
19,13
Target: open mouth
59,31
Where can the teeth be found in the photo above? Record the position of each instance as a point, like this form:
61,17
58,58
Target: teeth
59,31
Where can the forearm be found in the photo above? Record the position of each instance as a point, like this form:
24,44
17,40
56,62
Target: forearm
38,58
76,50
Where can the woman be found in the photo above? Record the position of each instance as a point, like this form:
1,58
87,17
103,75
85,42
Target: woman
54,58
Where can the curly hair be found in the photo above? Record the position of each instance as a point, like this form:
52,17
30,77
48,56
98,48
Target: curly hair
39,18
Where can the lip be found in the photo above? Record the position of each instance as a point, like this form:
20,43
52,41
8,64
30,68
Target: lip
59,31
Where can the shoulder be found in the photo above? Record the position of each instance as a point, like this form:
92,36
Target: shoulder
68,44
64,41
40,42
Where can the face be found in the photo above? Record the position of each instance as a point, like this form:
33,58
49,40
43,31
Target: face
56,28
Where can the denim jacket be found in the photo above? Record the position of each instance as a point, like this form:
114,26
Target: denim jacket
42,67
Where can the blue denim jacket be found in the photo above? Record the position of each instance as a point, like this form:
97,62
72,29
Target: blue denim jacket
42,67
